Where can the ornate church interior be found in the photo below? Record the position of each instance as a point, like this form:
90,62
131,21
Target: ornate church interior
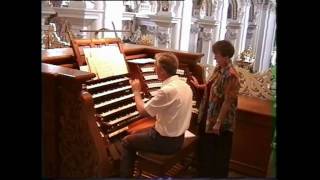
88,106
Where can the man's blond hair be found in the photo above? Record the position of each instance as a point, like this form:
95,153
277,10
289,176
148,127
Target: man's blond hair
168,61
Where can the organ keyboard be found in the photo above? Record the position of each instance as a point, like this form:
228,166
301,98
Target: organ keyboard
114,104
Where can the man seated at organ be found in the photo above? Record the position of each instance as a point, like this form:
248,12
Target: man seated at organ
172,107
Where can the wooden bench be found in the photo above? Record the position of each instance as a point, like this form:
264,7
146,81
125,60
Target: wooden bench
151,165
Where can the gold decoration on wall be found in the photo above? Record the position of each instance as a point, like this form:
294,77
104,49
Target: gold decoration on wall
246,60
255,84
146,40
51,40
247,55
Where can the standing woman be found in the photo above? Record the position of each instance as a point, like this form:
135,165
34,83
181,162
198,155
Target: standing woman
217,113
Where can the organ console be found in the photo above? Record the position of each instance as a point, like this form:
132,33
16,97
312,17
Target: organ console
85,118
78,142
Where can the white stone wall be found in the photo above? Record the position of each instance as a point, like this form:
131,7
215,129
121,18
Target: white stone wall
82,15
182,25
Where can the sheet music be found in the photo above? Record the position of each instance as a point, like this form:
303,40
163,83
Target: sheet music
105,61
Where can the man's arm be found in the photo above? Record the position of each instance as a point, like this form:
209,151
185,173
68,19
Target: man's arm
136,88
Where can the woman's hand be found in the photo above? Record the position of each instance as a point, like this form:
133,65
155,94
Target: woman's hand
195,82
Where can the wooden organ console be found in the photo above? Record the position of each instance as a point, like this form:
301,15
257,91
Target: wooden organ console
69,116
85,118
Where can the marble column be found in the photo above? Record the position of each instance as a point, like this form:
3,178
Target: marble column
166,33
46,11
222,12
113,13
244,12
250,35
258,8
207,36
128,24
168,20
233,35
266,37
187,33
193,38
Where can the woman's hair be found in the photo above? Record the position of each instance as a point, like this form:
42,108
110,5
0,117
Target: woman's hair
223,47
168,61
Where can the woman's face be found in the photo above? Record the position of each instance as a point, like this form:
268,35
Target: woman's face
221,61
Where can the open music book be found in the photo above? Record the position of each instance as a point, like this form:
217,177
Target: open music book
105,61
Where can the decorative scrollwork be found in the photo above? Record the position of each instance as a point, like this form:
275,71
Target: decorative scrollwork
152,29
146,40
247,55
194,29
163,37
207,36
231,35
79,158
259,85
255,85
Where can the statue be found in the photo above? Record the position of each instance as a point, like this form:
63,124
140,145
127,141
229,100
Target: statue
214,7
163,37
62,25
164,6
255,16
50,39
231,35
129,5
127,26
241,14
56,3
205,8
145,7
136,35
46,4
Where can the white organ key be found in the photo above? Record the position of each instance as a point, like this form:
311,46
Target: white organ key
118,109
147,69
101,134
153,85
118,131
151,77
107,82
98,124
111,91
123,118
114,100
180,72
194,103
121,108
